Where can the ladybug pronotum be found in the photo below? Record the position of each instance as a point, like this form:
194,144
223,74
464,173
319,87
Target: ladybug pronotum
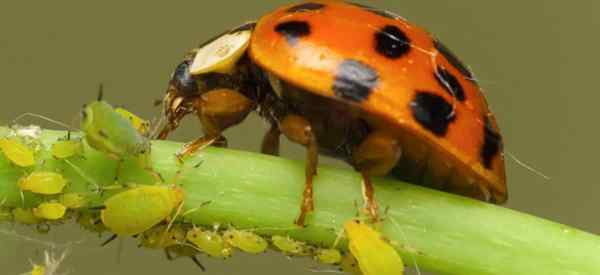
352,82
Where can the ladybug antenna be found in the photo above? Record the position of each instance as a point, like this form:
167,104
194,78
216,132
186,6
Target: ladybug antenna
100,92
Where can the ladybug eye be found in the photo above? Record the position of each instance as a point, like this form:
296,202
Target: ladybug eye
183,81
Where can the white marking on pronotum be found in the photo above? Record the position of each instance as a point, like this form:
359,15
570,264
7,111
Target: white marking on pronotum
221,55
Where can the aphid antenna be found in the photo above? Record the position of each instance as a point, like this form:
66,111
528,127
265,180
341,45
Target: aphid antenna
100,92
44,118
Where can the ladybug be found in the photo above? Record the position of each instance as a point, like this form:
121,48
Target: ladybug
349,81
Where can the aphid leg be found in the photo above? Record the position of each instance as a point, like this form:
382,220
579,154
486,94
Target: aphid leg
375,156
109,240
298,130
198,263
270,142
217,110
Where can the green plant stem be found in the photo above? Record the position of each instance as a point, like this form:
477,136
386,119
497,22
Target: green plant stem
440,232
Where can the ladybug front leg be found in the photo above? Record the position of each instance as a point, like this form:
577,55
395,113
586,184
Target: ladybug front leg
217,110
298,130
375,156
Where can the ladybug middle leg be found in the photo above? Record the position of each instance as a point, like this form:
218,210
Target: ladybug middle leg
298,130
376,155
217,110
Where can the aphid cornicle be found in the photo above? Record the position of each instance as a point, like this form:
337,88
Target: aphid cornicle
349,81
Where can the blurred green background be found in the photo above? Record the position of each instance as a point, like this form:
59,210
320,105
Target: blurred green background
535,60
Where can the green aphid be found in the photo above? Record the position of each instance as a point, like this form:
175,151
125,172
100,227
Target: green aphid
73,200
209,242
50,211
108,131
245,240
43,182
63,149
290,246
17,152
25,216
138,209
328,256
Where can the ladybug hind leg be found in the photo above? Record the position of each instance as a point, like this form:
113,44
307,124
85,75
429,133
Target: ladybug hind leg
217,110
376,155
297,129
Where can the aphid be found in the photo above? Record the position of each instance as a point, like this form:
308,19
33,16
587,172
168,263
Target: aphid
140,208
171,240
245,240
108,131
43,182
354,82
290,246
73,200
67,148
17,152
141,125
25,216
50,211
90,221
209,242
374,254
328,256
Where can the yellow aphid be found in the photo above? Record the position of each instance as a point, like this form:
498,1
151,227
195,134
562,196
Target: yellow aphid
63,149
138,209
17,152
245,240
38,270
209,242
73,200
375,256
43,182
159,238
141,125
25,216
289,246
328,256
50,211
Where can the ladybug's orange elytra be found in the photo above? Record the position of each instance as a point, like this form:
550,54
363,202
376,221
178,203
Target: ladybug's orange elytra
349,81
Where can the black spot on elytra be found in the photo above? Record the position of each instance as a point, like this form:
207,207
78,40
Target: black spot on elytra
432,112
392,42
305,7
246,27
293,30
450,83
183,81
453,59
492,144
354,80
380,12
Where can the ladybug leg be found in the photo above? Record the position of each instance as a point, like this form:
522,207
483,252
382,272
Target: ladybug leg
298,130
375,156
217,110
270,143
